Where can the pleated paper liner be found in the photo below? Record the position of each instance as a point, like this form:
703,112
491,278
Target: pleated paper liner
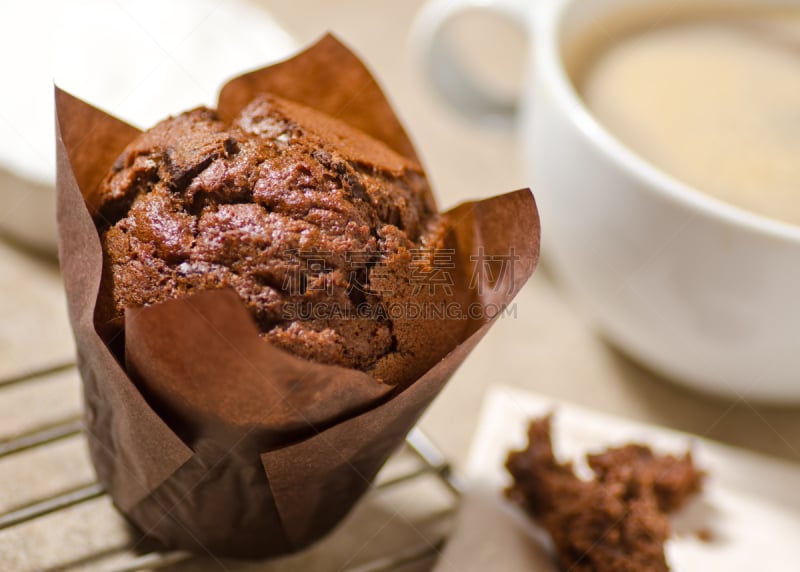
206,436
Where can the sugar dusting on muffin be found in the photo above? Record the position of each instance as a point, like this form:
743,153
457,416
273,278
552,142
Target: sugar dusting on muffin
315,225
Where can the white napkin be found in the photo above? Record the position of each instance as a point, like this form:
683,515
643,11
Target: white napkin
750,504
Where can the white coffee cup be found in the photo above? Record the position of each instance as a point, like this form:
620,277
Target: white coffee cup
699,290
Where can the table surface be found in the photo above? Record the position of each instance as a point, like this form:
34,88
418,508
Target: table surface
549,347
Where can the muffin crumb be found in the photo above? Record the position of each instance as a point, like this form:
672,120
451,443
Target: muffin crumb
616,522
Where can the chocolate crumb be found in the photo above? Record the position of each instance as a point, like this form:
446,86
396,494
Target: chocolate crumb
704,535
616,522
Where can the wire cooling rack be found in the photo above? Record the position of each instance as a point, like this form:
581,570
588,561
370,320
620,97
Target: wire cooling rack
55,517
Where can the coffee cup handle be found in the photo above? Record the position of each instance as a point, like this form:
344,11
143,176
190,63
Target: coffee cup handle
445,69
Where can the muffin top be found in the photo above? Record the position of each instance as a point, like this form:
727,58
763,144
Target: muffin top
319,228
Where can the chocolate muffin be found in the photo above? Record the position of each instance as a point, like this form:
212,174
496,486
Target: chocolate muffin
329,237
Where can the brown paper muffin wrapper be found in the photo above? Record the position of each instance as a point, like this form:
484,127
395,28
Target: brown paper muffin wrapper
207,437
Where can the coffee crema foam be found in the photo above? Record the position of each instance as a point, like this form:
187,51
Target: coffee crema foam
713,100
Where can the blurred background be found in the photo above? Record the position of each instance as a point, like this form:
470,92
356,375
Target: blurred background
548,347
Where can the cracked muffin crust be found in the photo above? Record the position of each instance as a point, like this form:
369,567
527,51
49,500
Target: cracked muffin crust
320,229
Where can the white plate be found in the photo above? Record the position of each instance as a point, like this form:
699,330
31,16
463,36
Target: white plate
751,503
140,60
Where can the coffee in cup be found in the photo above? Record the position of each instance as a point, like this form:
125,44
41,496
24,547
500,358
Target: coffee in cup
710,97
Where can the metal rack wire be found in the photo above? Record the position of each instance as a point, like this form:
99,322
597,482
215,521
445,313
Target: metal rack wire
421,460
